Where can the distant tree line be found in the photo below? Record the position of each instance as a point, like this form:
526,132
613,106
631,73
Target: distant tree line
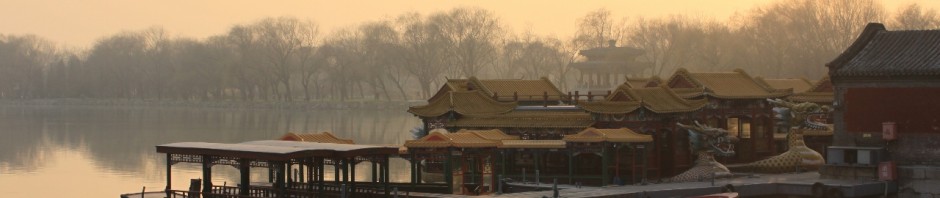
409,56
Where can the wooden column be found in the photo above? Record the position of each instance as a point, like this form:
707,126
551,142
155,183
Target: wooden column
538,162
244,169
169,174
375,171
502,162
605,168
310,174
448,170
206,174
290,175
336,170
385,179
352,176
570,166
320,176
280,178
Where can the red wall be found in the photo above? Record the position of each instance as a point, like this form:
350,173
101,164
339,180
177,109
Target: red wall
913,109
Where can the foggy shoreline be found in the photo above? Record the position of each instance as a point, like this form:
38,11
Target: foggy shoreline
208,104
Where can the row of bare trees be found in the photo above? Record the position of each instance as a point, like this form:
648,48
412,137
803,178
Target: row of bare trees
409,56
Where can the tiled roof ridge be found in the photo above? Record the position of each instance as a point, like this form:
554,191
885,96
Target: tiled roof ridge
869,33
823,80
479,85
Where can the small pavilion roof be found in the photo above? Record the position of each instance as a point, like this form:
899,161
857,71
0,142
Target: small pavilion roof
657,99
622,135
322,137
725,85
462,102
444,140
273,149
492,134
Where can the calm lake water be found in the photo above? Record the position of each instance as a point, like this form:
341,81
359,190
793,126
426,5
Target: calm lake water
105,151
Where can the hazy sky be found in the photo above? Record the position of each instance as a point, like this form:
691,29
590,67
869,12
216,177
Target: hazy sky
81,23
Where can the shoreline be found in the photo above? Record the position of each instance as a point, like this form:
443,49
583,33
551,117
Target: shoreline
275,105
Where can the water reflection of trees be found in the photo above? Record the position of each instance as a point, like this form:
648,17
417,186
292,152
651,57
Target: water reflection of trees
122,139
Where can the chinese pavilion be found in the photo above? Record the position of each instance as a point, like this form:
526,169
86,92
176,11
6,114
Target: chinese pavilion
736,102
605,67
651,110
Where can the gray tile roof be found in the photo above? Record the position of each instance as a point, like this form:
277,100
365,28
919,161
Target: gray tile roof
882,53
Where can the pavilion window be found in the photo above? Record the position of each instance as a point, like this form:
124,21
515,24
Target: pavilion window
745,129
733,126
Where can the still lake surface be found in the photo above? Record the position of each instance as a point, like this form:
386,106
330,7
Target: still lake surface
78,151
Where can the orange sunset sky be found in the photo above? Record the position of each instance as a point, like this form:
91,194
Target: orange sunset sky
80,23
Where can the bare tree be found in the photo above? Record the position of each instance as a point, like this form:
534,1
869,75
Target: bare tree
913,16
280,39
422,44
470,36
596,28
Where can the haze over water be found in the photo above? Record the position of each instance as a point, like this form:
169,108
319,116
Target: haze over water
107,151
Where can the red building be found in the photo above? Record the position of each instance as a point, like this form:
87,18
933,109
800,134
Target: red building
737,102
654,111
889,77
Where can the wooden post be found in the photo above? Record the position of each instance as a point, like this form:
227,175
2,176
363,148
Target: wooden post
538,162
206,174
385,174
448,170
336,170
570,166
576,97
605,168
414,169
515,96
495,96
310,173
375,171
244,169
352,176
169,174
320,176
279,185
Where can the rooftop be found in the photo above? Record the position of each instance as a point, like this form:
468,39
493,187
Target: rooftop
889,54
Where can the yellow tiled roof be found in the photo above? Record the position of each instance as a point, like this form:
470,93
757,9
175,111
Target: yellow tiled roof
819,92
730,85
610,107
624,135
505,89
798,85
459,140
464,103
526,119
657,99
492,134
816,97
544,144
323,137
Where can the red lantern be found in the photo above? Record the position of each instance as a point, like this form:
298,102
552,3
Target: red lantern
889,130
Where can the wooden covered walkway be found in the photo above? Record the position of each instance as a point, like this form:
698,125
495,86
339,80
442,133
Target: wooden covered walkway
310,158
